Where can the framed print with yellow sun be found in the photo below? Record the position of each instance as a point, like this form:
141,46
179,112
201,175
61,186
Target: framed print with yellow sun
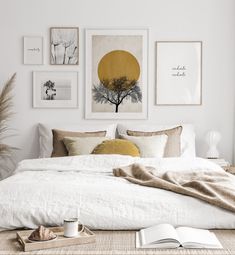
116,74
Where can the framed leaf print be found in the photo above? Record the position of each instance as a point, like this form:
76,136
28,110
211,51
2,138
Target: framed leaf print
179,73
64,45
116,74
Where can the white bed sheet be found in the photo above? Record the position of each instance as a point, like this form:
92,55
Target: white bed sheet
46,191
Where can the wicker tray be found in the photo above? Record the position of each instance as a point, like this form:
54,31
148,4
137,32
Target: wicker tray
87,236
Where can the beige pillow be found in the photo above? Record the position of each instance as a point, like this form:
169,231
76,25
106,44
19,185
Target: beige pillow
59,149
117,146
82,145
173,146
149,146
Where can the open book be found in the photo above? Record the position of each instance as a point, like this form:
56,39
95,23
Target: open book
166,236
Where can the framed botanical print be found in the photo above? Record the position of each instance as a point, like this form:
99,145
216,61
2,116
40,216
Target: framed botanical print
64,45
33,50
55,89
179,73
116,74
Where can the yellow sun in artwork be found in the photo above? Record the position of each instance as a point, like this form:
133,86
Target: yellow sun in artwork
117,64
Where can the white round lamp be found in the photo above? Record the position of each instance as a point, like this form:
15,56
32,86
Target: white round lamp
213,138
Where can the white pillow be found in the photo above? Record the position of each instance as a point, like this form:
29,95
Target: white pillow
187,135
82,145
45,134
149,146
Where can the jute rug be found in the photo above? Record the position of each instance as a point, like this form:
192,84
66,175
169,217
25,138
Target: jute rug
116,243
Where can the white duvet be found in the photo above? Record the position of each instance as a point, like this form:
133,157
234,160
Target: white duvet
46,191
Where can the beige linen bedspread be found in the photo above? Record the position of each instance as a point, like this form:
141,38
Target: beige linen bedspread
216,188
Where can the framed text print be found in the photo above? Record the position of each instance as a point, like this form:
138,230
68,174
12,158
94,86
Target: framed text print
55,89
33,50
116,74
179,73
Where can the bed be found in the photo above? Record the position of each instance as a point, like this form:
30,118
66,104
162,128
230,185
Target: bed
47,190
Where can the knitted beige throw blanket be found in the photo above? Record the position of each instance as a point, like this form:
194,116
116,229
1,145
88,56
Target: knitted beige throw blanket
216,188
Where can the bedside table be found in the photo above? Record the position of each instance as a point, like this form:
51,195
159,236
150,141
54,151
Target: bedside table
230,169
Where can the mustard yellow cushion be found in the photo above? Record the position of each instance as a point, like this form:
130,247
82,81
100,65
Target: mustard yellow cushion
117,146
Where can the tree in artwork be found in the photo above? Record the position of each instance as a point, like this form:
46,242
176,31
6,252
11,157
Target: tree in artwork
118,73
50,91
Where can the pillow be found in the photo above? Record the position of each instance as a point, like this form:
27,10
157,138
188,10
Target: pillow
172,148
117,146
187,141
149,146
82,145
59,148
46,137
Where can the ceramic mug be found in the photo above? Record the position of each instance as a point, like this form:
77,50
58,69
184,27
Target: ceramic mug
72,227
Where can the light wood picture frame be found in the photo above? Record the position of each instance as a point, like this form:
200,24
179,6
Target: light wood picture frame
64,45
178,78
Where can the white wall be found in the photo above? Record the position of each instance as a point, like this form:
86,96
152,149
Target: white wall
211,21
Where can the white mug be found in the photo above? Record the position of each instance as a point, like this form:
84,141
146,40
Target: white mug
72,227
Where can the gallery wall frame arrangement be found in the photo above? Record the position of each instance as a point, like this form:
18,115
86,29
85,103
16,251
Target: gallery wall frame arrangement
64,45
52,89
178,73
116,73
33,50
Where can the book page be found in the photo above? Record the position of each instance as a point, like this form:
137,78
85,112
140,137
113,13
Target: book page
156,233
193,237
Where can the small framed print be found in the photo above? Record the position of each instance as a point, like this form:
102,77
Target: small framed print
179,73
55,89
33,50
64,45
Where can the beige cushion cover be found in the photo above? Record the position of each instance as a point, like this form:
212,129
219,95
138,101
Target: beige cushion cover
173,146
150,147
82,145
117,146
59,149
